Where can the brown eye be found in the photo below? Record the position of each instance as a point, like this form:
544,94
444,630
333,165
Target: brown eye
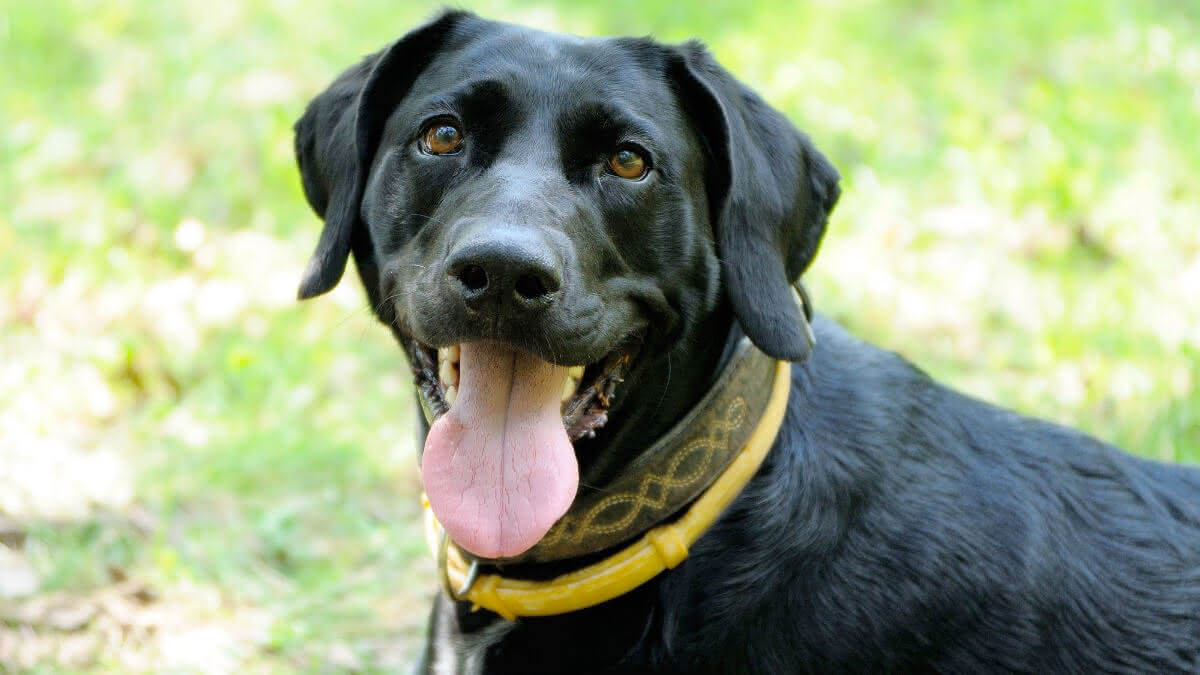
627,163
442,137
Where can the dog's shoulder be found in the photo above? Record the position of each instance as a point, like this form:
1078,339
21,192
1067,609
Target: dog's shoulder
951,523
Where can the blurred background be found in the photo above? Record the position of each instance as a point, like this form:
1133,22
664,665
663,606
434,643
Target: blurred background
199,474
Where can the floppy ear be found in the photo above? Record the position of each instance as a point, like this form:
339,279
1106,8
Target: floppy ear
770,194
336,141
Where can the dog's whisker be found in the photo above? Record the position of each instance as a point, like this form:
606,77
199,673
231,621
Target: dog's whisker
667,383
379,306
352,313
598,488
425,216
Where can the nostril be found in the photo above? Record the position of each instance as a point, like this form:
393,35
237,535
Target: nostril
503,272
530,287
473,277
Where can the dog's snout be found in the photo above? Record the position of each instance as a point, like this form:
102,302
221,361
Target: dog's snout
511,273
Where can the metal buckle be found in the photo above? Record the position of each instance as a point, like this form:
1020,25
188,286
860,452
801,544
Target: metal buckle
444,572
800,293
805,302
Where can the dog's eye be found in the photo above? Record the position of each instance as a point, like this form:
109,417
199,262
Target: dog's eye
627,163
441,137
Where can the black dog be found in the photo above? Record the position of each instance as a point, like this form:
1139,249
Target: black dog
547,201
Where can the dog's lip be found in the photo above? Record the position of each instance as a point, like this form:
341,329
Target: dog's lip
583,412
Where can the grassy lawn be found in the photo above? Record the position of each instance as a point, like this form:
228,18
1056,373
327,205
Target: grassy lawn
198,474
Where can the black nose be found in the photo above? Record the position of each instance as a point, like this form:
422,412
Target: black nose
510,272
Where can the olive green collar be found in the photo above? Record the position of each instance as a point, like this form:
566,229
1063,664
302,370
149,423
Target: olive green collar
672,472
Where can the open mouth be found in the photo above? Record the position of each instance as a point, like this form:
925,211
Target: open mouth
584,406
499,466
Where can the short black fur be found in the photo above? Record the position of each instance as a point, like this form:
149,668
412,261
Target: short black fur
896,526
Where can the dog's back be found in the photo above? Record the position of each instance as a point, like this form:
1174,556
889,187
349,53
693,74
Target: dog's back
968,538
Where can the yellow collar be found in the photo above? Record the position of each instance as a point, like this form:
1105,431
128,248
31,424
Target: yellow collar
659,549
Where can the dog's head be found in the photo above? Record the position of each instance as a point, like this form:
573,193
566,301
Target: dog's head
548,214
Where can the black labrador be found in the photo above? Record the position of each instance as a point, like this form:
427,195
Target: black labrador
525,202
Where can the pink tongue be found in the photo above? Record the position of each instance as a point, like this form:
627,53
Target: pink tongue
498,467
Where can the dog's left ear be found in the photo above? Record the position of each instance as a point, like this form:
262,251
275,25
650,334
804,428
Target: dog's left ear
770,193
336,140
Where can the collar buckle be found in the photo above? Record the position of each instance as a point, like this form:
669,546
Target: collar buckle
444,572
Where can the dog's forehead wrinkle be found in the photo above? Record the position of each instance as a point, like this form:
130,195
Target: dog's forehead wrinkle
519,189
551,68
495,87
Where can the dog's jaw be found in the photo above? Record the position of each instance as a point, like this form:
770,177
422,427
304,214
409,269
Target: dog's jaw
587,392
498,467
449,368
498,463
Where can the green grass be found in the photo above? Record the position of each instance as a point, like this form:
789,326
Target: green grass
1019,217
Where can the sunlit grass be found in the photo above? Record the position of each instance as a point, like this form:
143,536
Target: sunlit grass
178,436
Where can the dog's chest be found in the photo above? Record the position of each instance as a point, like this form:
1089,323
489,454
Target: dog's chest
455,653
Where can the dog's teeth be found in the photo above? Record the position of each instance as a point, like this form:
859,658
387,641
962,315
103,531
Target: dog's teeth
576,372
447,373
569,387
451,395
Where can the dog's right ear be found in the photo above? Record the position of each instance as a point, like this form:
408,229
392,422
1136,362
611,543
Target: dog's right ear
337,137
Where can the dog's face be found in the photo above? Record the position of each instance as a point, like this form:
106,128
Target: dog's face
538,216
536,191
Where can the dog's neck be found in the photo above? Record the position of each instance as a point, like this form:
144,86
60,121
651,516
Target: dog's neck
708,456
